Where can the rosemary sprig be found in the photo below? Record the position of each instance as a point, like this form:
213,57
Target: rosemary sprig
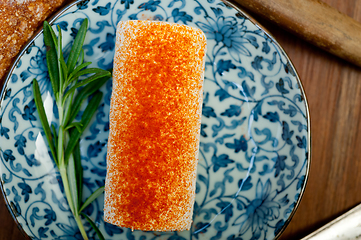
64,141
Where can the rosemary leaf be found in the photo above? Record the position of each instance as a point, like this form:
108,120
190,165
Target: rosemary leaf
77,69
54,37
86,91
68,109
100,74
62,74
55,137
43,119
86,118
92,197
64,67
77,125
77,45
79,172
82,56
60,146
100,235
73,184
85,72
51,58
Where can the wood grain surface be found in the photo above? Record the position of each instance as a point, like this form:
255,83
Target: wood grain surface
315,21
333,89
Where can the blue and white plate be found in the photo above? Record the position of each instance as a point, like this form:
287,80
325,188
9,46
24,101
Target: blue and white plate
255,145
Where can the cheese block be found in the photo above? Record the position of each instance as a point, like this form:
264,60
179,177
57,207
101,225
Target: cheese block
155,118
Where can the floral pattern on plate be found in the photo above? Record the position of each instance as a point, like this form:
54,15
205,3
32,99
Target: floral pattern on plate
255,144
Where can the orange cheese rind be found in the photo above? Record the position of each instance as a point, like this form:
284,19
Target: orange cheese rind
155,119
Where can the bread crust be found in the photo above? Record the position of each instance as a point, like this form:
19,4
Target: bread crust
19,19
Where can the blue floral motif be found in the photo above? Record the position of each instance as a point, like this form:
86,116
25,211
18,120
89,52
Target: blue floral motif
99,172
15,205
267,132
302,142
223,66
202,226
40,190
20,143
208,112
272,116
95,149
34,216
301,182
226,209
63,25
102,10
254,145
280,164
82,5
38,69
244,185
220,161
244,73
24,75
223,94
281,87
109,44
15,109
29,110
14,79
259,212
181,16
112,230
225,31
127,3
151,5
26,191
287,133
70,230
101,25
247,91
7,94
300,125
220,140
31,161
42,231
238,145
171,4
8,155
233,110
222,125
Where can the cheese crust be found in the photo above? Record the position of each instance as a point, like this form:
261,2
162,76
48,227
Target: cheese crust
155,120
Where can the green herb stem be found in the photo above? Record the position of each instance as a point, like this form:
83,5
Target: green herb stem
64,141
64,178
61,146
81,227
68,194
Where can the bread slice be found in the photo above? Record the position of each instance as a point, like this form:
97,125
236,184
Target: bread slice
18,21
155,119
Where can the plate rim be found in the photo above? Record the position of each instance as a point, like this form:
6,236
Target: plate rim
51,19
307,110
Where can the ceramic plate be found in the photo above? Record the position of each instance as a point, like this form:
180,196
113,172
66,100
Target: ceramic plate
255,145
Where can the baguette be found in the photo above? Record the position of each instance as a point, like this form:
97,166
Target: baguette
18,21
